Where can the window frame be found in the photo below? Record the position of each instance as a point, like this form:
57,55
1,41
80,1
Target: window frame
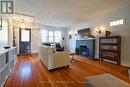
57,36
54,36
116,22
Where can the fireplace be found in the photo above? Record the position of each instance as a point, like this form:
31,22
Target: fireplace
85,48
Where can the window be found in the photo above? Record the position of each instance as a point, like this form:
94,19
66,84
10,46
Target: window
25,35
51,36
57,36
44,35
117,22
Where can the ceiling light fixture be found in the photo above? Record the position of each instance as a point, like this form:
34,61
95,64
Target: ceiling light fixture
99,30
22,26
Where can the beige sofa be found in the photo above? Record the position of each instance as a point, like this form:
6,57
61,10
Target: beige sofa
53,59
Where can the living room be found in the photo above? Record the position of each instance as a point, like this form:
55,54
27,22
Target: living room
72,43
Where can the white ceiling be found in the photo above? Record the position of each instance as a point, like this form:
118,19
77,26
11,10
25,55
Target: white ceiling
66,13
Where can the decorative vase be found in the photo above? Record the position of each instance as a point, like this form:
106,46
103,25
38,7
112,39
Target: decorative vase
108,33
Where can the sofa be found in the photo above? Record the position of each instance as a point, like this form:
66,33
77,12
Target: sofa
53,59
57,46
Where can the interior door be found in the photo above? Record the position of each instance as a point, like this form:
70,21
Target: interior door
25,41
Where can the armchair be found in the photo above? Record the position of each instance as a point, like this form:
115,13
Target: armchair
53,59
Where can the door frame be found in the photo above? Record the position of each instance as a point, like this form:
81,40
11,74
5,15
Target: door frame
20,38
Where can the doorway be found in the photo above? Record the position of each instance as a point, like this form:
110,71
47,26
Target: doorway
24,41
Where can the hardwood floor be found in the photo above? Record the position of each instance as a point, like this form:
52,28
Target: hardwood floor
29,71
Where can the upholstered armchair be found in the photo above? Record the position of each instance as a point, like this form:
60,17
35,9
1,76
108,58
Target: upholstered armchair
53,59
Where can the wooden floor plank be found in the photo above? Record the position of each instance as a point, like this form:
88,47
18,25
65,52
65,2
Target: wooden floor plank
29,71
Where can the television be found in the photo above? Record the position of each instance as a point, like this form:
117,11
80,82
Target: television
84,32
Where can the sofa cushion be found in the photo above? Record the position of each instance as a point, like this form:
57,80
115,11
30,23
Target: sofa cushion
58,45
47,44
54,50
50,50
53,45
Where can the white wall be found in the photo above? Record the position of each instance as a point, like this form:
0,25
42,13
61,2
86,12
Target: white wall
103,21
35,39
4,33
35,35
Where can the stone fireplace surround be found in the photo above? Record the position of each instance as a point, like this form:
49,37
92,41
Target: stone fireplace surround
85,47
